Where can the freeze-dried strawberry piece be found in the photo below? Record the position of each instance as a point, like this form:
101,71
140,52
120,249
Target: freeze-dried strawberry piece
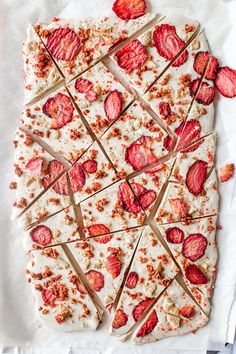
132,56
226,81
168,44
187,132
120,319
155,169
194,246
196,177
168,142
60,109
103,239
145,196
187,311
129,202
90,166
174,235
63,44
206,93
77,177
193,147
83,85
80,287
199,65
139,310
54,169
132,280
91,96
112,105
179,208
113,265
139,154
164,109
127,10
48,296
35,166
148,325
97,229
42,235
226,172
195,275
95,279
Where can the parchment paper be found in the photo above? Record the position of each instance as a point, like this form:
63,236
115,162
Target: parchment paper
18,323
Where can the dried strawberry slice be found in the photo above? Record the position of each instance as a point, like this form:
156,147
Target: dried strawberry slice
206,93
113,105
42,235
193,147
164,109
187,311
113,265
91,96
35,166
120,319
226,81
83,85
80,287
148,325
129,202
179,208
132,56
103,239
188,132
97,229
194,246
196,177
139,310
132,280
90,166
226,172
63,44
77,177
95,279
200,64
168,44
60,109
195,275
146,197
127,10
139,154
168,142
48,296
174,235
54,169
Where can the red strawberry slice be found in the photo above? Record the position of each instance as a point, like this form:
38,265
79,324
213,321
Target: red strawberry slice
155,169
206,93
226,172
139,310
54,169
103,239
129,202
132,56
63,44
174,235
164,109
195,275
120,319
146,197
179,208
187,311
168,44
91,96
127,10
48,297
97,229
113,105
83,85
35,166
148,325
196,177
42,235
77,177
95,279
139,154
60,109
90,166
193,147
194,246
168,142
199,65
113,265
226,81
188,132
132,280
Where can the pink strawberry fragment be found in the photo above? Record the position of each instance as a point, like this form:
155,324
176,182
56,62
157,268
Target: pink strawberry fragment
60,109
127,10
35,166
226,172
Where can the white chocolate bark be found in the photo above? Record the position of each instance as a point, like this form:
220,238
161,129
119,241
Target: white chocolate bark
134,124
154,269
94,255
98,36
69,139
58,302
103,83
40,73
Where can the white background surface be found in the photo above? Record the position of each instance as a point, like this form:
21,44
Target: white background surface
18,324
